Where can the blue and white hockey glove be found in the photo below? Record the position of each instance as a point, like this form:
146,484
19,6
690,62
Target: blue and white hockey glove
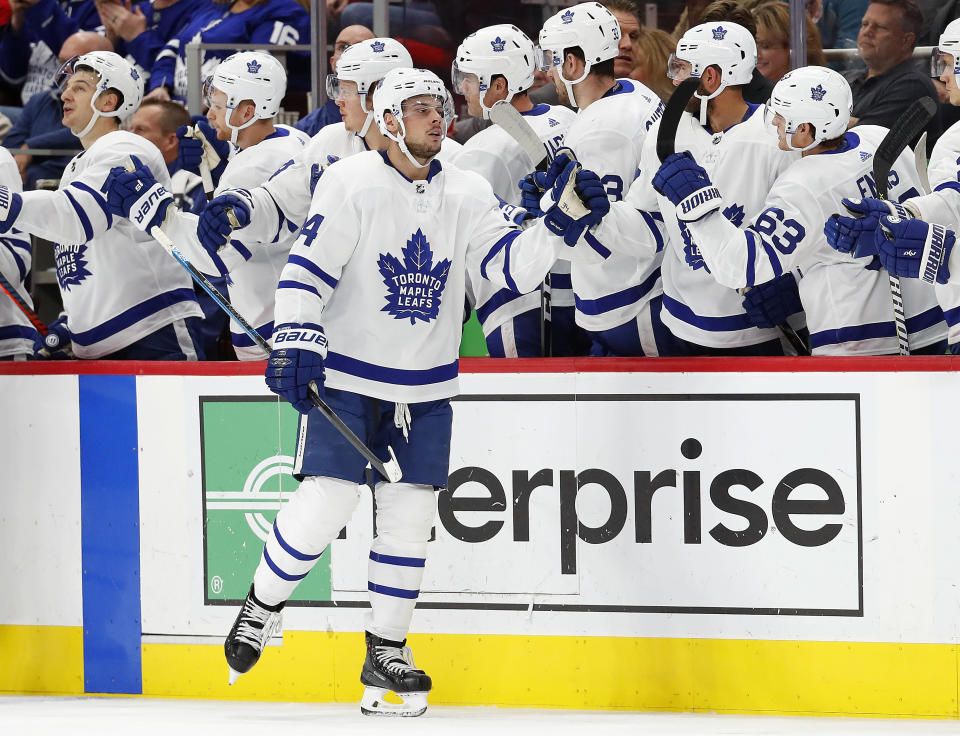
533,185
296,362
686,184
215,224
137,195
770,304
199,144
55,345
10,204
915,249
856,234
580,202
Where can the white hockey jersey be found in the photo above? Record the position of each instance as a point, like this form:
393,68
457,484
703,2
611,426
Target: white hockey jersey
381,263
118,285
848,306
16,254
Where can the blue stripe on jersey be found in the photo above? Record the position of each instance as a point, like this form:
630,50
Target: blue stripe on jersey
599,247
540,109
278,133
281,218
279,572
855,333
955,186
242,249
560,281
395,592
751,257
401,561
651,223
84,220
952,316
14,332
219,264
710,324
297,285
21,266
495,249
398,376
313,268
504,296
133,315
243,340
511,284
772,257
925,319
619,299
297,555
96,198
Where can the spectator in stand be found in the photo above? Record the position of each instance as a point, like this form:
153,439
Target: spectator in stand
330,112
651,53
41,125
278,22
404,16
891,81
839,25
627,13
759,89
773,40
690,17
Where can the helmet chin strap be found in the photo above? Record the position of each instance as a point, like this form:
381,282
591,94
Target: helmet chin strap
235,129
705,98
400,141
485,109
789,137
93,118
568,84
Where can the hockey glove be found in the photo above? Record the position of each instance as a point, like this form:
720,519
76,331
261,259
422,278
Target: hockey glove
296,362
228,210
55,345
10,204
915,249
580,202
686,184
770,304
535,184
137,195
856,234
199,146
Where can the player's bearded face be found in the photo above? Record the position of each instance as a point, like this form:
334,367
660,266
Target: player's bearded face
217,114
423,120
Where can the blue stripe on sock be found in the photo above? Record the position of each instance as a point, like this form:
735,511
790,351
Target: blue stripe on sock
402,561
290,550
395,592
277,571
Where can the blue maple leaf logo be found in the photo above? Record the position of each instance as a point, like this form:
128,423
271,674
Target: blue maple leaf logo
498,44
734,213
553,123
718,33
378,47
133,73
567,17
817,93
414,287
253,66
691,251
71,265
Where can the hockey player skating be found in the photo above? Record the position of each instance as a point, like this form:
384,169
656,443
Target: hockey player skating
243,95
378,269
17,334
846,299
123,296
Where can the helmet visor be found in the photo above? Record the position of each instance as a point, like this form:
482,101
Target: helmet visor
940,62
67,70
464,82
547,59
210,95
678,69
340,89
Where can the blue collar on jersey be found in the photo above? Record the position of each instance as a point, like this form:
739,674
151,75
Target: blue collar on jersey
850,141
751,108
541,109
278,133
362,140
434,167
621,87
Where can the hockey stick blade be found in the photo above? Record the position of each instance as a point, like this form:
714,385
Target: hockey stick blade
920,159
509,118
908,126
667,135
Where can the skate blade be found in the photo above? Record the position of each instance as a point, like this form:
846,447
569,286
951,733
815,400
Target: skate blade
234,675
374,704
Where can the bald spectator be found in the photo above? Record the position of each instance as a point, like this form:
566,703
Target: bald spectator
330,113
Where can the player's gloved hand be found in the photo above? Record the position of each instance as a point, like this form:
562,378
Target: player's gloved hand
226,212
199,144
686,184
296,362
535,184
10,204
768,305
915,249
856,234
137,195
55,345
580,201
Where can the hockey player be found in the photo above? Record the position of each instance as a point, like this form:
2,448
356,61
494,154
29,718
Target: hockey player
17,334
379,269
618,296
847,301
243,96
123,296
493,64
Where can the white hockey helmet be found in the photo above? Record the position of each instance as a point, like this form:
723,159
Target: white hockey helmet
949,43
728,46
114,72
815,95
248,75
365,64
502,49
400,85
588,25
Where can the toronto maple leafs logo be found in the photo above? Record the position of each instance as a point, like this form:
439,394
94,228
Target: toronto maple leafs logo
734,213
498,44
378,47
133,73
691,251
414,287
817,93
71,264
567,17
718,33
253,66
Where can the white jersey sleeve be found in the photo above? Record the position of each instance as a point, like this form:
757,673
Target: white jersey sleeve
942,205
16,331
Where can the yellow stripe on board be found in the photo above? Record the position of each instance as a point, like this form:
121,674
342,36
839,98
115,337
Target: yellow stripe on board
786,677
41,659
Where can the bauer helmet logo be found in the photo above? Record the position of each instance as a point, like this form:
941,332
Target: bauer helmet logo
253,66
567,17
498,44
718,33
817,93
378,47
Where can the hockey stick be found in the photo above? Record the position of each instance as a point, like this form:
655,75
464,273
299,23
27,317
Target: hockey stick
205,176
389,469
920,159
907,127
34,318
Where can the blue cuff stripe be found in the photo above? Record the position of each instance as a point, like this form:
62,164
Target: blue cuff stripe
15,332
651,223
219,265
290,550
241,249
751,257
383,374
395,592
709,324
401,561
84,220
619,299
133,315
599,247
495,249
277,571
772,257
308,265
298,285
96,198
504,296
947,185
243,340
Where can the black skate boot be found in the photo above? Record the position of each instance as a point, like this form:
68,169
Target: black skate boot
389,666
255,624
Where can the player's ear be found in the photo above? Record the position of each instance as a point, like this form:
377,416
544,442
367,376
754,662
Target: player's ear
108,101
390,120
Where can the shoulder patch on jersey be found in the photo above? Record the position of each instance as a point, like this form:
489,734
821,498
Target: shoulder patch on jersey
414,287
71,264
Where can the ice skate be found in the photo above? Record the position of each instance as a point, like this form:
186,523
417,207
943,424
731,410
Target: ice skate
254,625
389,667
